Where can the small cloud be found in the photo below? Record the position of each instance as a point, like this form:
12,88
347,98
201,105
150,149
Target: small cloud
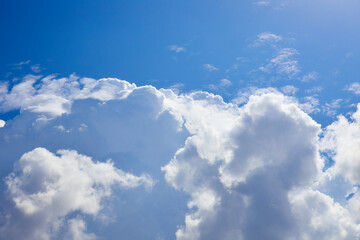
177,48
262,3
36,68
222,84
83,127
310,76
314,90
266,37
243,95
177,87
309,105
349,54
289,90
22,63
330,109
210,67
354,87
225,82
19,66
284,63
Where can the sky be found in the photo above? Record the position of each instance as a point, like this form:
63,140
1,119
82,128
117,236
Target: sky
179,119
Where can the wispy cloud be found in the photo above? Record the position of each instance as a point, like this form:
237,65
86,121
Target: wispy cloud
354,87
314,90
309,104
224,83
177,48
210,67
35,68
330,109
266,38
262,3
310,76
289,90
19,66
283,63
177,87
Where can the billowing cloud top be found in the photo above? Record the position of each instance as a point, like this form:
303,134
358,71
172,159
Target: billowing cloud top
75,156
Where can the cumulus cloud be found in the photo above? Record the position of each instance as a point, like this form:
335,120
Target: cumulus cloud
46,187
241,172
342,142
257,150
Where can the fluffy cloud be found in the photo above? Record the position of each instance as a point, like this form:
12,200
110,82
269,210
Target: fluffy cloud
249,172
46,187
256,156
342,141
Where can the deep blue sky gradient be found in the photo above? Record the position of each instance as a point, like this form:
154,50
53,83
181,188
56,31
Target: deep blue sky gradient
130,40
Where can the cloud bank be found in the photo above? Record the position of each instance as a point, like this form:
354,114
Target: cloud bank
222,171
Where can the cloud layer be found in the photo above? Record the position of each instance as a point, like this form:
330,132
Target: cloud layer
249,172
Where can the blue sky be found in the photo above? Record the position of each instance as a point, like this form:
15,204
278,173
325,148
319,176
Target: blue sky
173,119
130,40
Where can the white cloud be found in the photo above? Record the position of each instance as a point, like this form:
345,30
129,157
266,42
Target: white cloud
36,68
321,217
19,66
354,87
262,3
46,187
177,48
255,156
248,172
266,38
210,67
289,90
342,141
54,96
77,228
309,104
177,87
330,109
243,95
284,63
310,76
314,90
107,118
224,83
2,123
